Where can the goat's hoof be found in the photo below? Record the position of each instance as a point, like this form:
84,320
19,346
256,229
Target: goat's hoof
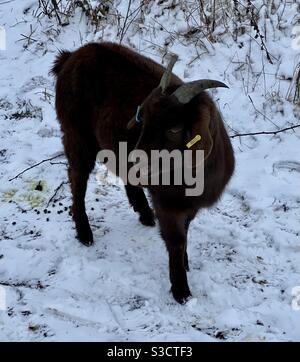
147,219
85,235
181,296
86,241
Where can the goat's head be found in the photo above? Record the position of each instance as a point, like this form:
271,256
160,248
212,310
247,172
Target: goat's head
164,117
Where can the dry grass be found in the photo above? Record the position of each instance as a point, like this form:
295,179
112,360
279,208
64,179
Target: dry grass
293,94
249,23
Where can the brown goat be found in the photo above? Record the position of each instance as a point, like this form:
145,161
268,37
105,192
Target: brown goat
98,90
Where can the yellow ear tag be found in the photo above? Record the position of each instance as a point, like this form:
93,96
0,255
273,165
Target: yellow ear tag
196,139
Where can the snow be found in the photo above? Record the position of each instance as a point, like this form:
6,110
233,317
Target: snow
244,252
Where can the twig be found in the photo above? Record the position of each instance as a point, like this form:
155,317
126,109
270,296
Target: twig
265,132
28,37
36,164
6,2
59,163
24,284
125,21
258,111
56,9
56,191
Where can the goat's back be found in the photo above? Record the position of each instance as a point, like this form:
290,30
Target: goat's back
103,82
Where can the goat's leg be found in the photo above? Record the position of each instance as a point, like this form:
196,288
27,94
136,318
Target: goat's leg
173,232
138,200
186,258
81,163
78,180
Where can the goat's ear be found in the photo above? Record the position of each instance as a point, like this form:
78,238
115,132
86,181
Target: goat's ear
199,136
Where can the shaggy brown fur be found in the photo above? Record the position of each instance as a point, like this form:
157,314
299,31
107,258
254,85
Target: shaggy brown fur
98,89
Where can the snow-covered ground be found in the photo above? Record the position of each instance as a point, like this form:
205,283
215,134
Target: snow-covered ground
244,252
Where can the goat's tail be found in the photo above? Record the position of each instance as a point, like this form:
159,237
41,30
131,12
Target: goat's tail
60,60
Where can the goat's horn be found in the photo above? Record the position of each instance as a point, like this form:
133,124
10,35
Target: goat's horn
165,79
188,91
